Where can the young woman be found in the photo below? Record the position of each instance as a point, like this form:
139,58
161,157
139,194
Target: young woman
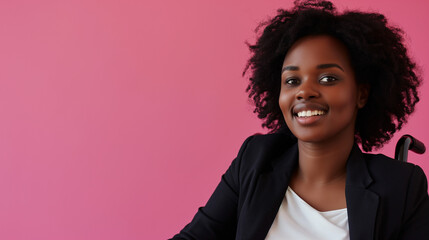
323,82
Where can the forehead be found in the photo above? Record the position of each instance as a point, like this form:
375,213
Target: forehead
314,50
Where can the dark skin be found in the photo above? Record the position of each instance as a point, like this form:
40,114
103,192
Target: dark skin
320,99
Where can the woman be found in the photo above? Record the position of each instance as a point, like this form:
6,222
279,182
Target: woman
323,82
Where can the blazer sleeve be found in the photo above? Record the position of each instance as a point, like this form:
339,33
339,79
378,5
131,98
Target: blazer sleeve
416,212
218,218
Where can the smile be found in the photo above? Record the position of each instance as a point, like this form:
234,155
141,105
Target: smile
310,113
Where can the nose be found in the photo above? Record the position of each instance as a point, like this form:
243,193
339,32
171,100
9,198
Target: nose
307,90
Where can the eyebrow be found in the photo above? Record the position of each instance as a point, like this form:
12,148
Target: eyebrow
321,66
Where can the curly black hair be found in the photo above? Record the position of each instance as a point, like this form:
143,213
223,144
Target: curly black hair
377,54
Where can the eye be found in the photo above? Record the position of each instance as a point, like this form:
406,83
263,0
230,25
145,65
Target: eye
292,81
328,79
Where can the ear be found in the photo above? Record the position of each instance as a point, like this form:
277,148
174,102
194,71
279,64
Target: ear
363,93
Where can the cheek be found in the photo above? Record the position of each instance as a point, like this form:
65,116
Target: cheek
284,103
344,101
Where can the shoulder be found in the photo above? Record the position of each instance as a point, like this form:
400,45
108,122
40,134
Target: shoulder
392,177
403,192
267,142
383,167
265,145
259,151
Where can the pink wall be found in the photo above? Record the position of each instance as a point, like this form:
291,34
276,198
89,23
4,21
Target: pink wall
118,117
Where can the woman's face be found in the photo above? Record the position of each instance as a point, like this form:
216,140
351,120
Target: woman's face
319,96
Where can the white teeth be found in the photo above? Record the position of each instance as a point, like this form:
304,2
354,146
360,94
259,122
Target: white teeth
309,113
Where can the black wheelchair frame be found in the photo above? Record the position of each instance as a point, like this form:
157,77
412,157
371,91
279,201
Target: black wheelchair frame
405,143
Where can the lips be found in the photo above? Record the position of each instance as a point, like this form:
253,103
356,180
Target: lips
309,112
308,109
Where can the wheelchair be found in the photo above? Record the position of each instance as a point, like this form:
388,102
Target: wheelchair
405,143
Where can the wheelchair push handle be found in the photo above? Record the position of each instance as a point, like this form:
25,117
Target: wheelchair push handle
405,143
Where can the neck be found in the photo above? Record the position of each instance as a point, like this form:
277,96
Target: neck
323,163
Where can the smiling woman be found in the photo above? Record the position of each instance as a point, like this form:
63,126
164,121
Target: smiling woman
323,82
319,96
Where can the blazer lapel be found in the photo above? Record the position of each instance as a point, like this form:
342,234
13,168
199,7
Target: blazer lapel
362,204
269,191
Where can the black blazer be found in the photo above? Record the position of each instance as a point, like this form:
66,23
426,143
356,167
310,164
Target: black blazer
386,199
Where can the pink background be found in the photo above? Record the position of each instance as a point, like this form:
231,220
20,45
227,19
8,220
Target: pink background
119,117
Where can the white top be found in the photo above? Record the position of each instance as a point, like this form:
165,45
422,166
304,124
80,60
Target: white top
298,220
